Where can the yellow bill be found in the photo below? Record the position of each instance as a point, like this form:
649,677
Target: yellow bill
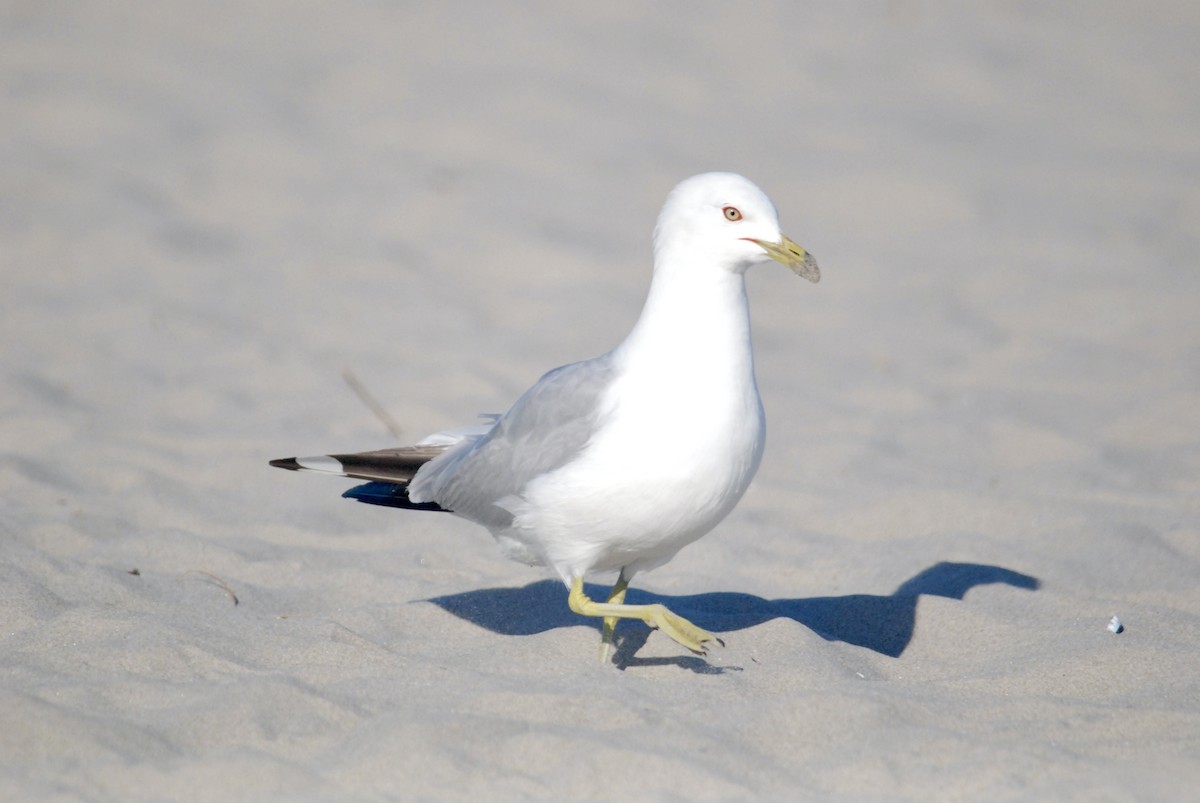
786,251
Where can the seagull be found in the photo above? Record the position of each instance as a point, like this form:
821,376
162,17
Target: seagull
615,463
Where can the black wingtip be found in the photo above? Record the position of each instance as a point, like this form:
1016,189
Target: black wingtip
286,462
389,495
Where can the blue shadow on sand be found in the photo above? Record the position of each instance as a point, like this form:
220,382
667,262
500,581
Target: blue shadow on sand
883,624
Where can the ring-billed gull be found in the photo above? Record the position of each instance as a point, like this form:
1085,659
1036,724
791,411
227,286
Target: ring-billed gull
614,464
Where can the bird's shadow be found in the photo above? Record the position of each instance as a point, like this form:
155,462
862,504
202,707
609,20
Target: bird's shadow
883,624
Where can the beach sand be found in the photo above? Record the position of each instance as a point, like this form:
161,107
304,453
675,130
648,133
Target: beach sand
984,422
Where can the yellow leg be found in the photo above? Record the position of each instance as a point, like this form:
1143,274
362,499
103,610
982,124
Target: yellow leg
615,597
675,626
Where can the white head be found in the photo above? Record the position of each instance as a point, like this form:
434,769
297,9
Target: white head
724,219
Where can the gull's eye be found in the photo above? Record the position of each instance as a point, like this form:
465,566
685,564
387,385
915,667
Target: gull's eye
732,213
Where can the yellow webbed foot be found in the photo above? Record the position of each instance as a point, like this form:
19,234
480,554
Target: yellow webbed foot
655,615
681,630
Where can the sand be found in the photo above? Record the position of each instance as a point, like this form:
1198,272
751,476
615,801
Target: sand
984,423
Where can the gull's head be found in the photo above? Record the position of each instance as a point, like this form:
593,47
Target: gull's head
725,220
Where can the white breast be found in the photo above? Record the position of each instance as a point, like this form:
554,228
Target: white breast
682,439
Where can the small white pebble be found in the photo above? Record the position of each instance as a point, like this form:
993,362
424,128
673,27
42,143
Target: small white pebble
1115,626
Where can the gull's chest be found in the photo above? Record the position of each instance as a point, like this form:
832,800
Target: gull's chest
668,463
679,428
683,427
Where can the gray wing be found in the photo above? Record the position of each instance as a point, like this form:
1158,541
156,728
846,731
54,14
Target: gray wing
546,428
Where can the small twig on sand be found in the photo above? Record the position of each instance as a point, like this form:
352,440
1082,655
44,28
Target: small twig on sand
369,400
216,580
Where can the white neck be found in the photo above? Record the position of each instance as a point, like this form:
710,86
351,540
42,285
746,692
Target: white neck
692,326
